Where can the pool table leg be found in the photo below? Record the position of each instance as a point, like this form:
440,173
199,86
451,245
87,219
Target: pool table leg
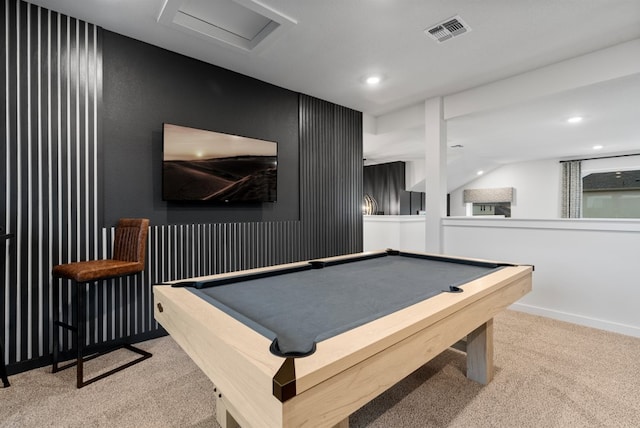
480,353
224,418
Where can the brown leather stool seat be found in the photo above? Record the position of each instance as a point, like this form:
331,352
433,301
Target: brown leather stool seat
95,270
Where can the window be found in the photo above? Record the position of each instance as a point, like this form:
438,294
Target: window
493,201
497,208
611,195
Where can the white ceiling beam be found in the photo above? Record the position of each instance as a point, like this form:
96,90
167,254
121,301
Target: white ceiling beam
599,66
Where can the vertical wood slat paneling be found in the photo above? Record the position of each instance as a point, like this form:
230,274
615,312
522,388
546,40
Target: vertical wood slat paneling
51,124
127,309
218,248
6,176
49,165
330,179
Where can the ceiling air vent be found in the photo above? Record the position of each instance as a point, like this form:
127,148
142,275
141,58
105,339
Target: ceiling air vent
448,29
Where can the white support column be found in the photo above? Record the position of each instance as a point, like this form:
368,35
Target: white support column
436,173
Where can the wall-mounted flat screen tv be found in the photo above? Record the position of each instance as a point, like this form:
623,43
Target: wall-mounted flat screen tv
200,165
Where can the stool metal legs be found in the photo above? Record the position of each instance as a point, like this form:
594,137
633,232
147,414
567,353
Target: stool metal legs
80,340
3,370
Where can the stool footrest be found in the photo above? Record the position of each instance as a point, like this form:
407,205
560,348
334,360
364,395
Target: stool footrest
81,329
79,363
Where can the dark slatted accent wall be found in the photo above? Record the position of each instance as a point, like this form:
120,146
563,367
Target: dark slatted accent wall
50,157
50,131
331,178
183,251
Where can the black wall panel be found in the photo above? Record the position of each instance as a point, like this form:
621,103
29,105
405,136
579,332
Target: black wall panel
331,178
145,86
386,184
79,152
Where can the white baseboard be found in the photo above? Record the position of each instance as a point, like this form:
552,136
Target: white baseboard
614,327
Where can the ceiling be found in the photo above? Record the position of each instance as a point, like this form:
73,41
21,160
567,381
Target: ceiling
538,129
326,48
533,130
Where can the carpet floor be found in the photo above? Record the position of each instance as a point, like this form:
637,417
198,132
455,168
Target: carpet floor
547,374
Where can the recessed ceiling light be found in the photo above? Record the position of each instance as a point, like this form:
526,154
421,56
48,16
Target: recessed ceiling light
597,147
575,119
480,172
373,80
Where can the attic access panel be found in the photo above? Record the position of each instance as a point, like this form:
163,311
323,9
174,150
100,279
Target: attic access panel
243,24
228,16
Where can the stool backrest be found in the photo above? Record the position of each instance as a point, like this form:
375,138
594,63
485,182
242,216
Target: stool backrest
130,242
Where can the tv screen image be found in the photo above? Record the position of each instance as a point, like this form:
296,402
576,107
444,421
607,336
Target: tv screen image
201,165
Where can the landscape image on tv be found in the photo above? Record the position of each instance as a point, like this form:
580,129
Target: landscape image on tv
200,165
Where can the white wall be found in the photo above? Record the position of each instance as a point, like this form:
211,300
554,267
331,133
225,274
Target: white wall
537,188
586,271
414,176
400,232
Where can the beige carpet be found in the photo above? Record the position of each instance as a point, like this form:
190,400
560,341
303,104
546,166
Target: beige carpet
548,374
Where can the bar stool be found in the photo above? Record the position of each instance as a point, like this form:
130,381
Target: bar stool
129,248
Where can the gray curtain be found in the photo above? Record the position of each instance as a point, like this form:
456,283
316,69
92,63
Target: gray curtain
571,189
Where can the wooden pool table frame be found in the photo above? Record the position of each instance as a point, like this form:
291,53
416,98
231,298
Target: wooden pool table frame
346,371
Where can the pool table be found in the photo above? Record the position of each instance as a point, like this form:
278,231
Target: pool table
308,343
